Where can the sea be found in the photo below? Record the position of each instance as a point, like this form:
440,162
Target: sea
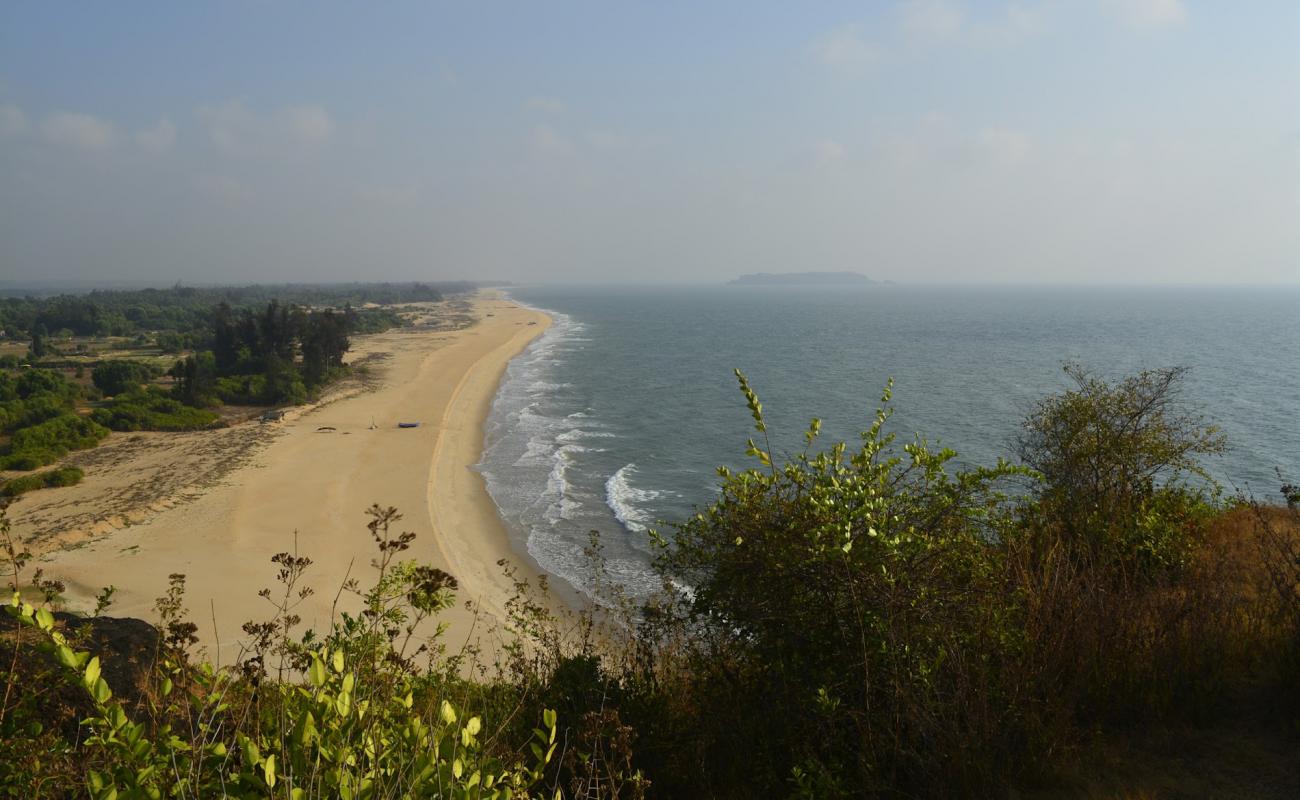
614,421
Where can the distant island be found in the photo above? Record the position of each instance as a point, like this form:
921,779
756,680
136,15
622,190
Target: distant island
803,279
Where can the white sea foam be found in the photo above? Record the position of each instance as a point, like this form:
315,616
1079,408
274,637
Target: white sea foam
537,470
578,434
542,387
623,499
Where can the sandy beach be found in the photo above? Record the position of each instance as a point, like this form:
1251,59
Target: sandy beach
238,496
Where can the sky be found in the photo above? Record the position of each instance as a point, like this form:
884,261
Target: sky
922,141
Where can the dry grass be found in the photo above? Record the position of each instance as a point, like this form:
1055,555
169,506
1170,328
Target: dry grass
1216,653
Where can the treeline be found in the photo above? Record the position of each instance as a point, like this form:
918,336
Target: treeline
256,345
281,354
188,311
277,355
845,622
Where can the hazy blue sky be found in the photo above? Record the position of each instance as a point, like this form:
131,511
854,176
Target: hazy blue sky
925,141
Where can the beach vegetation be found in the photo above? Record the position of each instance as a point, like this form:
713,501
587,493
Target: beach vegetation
50,440
152,409
196,380
38,419
63,476
188,311
122,375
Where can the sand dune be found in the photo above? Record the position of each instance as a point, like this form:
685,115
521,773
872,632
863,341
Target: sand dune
309,484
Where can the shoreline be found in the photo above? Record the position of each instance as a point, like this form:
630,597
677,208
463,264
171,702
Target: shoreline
305,491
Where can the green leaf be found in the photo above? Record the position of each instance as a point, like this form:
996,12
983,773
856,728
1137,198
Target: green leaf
252,756
91,674
268,770
338,661
316,673
66,657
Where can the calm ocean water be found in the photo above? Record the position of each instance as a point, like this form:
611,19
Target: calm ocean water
617,417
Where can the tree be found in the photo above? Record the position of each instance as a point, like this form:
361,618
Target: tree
38,341
196,377
225,338
283,384
116,377
276,332
1111,454
324,342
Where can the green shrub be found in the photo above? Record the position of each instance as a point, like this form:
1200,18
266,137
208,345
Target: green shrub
152,410
59,435
32,382
842,608
118,376
17,486
63,476
1116,459
244,390
31,459
350,718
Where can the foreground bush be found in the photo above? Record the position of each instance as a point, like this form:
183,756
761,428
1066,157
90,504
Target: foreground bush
346,716
842,609
863,622
840,623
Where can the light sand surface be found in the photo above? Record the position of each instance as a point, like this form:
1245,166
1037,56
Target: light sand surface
293,477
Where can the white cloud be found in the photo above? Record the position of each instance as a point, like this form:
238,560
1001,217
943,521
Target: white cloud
1018,21
80,131
447,77
549,105
388,195
547,139
309,124
235,130
1148,14
845,47
934,20
13,122
158,138
222,188
829,151
613,141
230,125
1003,146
